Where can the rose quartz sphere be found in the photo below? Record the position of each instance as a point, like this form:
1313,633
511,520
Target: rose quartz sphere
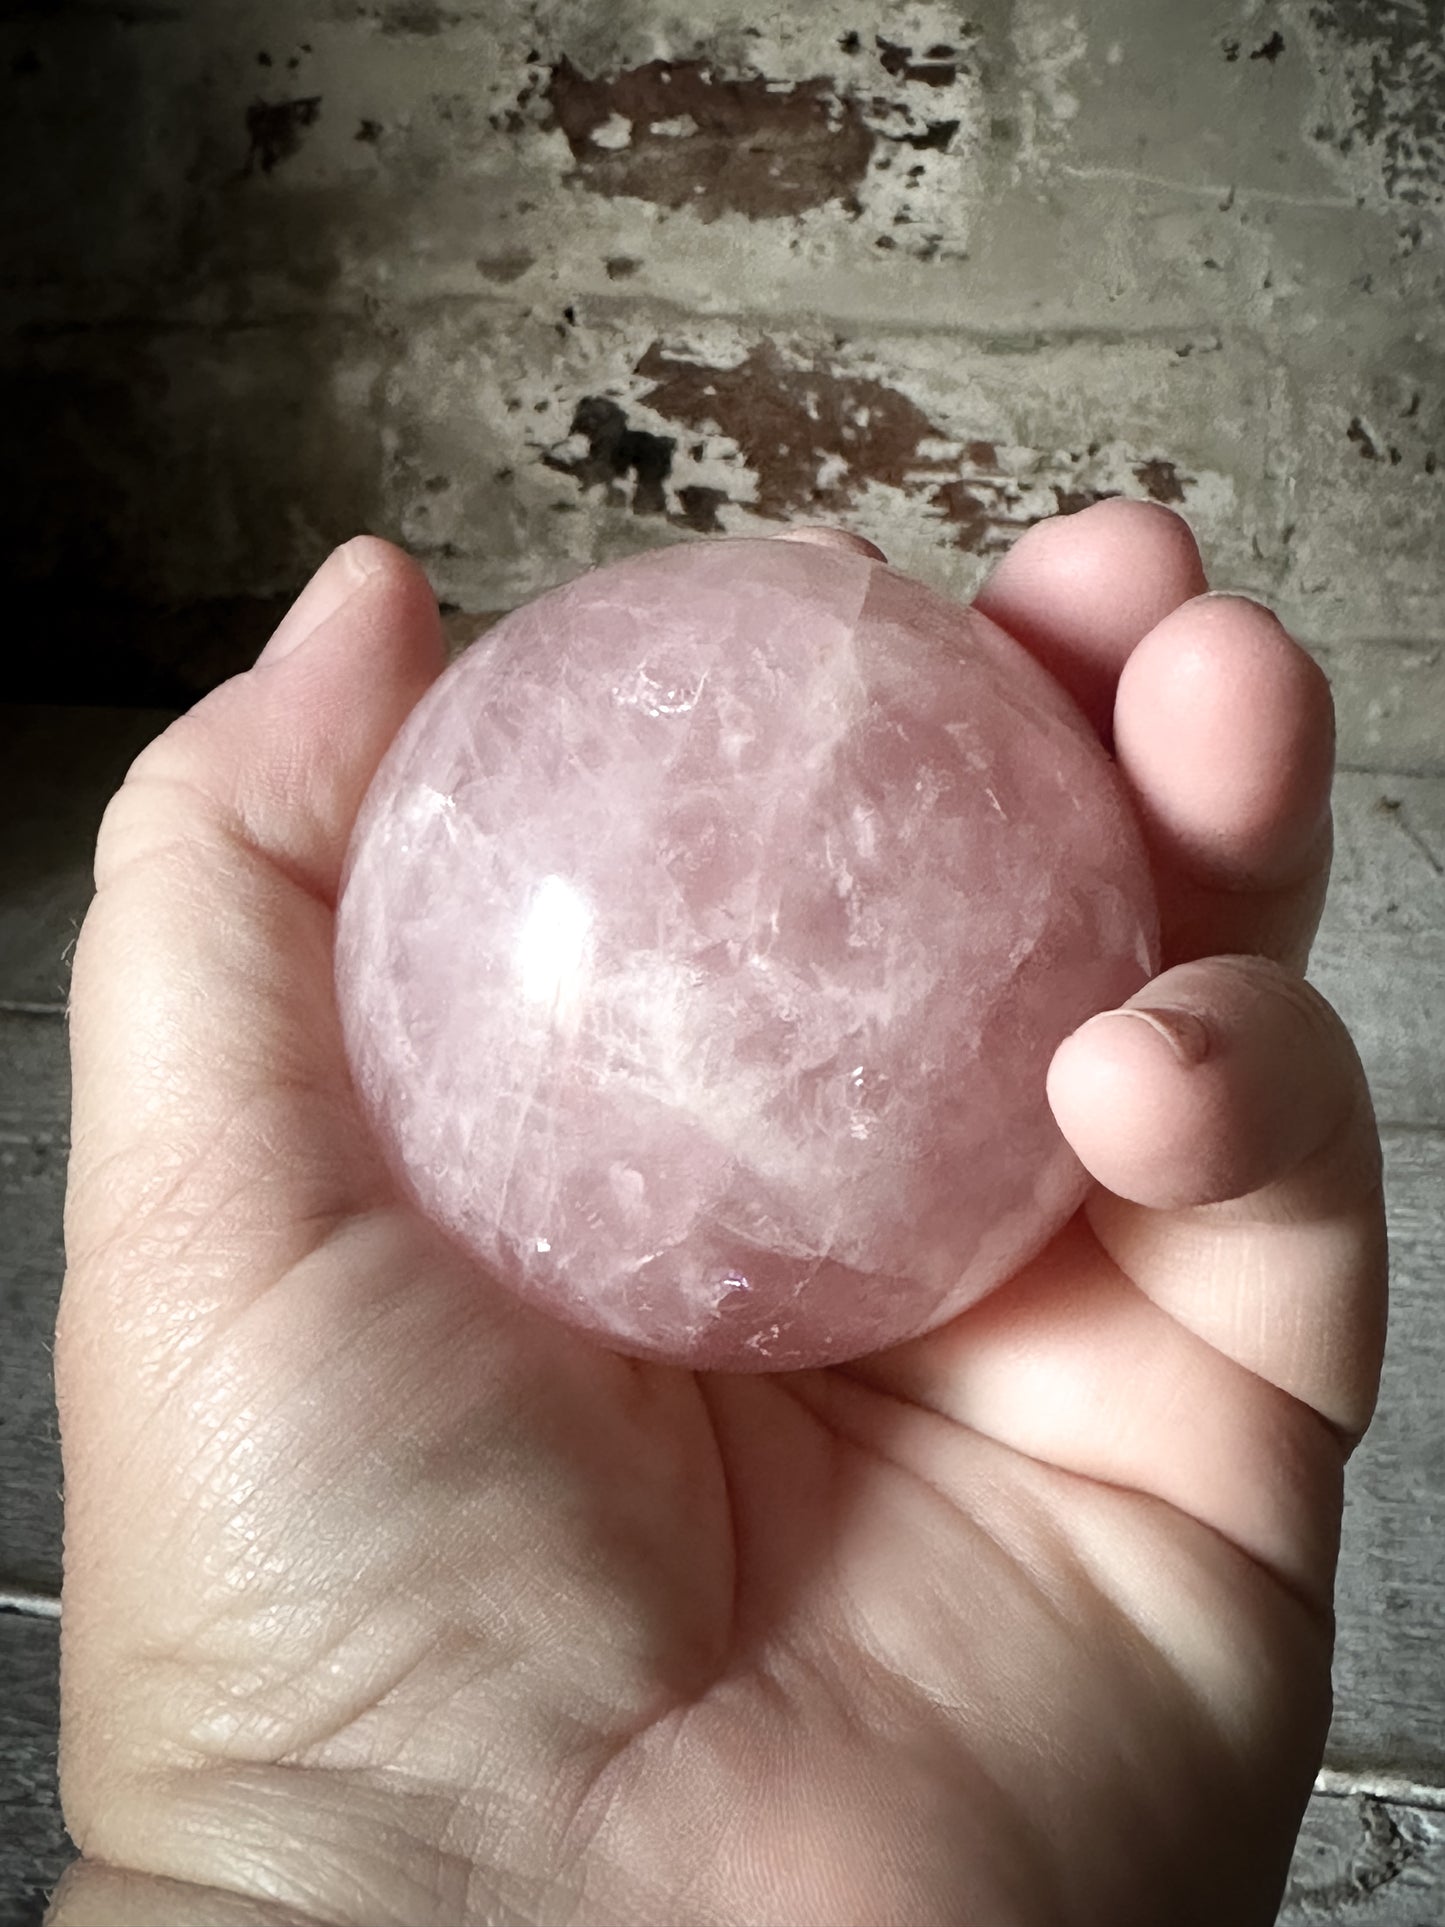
707,933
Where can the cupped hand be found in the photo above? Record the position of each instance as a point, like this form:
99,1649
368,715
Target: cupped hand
387,1601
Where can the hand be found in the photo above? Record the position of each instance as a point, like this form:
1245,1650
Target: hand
387,1601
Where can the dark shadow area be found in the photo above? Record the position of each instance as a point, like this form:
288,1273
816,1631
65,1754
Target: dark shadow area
176,455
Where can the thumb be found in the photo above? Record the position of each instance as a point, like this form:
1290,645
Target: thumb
1225,1114
204,1045
280,757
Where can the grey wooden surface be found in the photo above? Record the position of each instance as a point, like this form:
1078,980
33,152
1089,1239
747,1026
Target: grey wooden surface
34,1849
1373,1850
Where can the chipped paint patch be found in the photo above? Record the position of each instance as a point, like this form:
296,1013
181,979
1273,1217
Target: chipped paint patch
811,433
776,431
274,129
680,134
603,449
1161,481
1382,67
781,125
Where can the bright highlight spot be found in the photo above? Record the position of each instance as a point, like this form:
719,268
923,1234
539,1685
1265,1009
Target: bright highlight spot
552,949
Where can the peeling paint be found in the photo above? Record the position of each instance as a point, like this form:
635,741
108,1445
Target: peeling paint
724,432
1069,501
985,515
678,134
1268,50
813,435
1382,64
1161,480
607,452
937,66
274,129
890,136
418,248
698,508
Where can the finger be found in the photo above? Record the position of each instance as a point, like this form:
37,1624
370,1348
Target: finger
1079,591
1216,1356
282,755
209,1081
1224,732
1225,1114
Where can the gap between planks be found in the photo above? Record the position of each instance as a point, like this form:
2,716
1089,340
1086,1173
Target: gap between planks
29,1604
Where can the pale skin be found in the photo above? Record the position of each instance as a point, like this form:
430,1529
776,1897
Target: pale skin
387,1601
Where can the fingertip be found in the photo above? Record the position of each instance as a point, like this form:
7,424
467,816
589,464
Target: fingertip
1124,1092
1241,1189
346,570
1081,590
285,750
1224,729
1218,1079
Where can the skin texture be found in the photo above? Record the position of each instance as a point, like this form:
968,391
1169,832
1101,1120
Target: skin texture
387,1601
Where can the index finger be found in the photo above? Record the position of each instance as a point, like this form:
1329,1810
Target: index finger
1081,591
1222,725
1224,731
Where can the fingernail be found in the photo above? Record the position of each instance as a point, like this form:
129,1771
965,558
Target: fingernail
330,589
825,536
1186,1034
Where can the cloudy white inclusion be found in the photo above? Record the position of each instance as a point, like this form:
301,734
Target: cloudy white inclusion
551,954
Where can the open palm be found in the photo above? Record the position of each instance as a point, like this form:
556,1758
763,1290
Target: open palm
388,1601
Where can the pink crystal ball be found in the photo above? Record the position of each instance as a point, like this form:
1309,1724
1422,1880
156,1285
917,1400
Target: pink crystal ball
706,935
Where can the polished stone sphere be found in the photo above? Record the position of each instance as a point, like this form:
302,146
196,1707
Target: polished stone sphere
706,935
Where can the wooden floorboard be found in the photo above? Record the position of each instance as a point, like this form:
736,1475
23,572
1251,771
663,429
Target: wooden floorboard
60,766
34,1849
1364,1862
1380,957
34,1126
1390,1644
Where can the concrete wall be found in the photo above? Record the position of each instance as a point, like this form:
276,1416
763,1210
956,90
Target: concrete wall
528,286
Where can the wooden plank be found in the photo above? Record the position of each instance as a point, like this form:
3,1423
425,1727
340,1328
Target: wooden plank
1389,1679
467,453
34,1847
1389,867
1380,957
1367,1863
61,766
34,1124
494,448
